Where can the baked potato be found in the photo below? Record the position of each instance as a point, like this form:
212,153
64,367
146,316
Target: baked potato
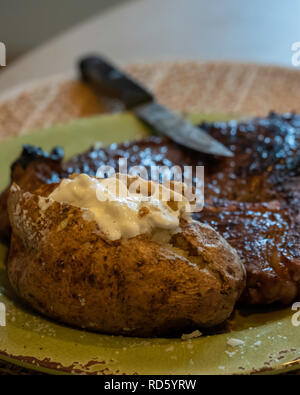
66,268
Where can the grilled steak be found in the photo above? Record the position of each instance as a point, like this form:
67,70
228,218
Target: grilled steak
33,168
252,199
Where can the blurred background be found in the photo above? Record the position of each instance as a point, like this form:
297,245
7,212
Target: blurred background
26,24
46,37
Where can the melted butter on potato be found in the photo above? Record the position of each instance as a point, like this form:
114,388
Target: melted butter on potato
123,206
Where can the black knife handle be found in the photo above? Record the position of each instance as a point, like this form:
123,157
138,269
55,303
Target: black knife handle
107,78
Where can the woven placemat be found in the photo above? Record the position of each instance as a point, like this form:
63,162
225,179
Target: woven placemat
219,87
231,88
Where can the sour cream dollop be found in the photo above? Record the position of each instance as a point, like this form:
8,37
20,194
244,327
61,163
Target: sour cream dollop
124,207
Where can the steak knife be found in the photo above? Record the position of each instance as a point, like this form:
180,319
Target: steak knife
105,77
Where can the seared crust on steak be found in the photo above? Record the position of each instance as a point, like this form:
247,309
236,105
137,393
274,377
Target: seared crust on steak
267,239
33,168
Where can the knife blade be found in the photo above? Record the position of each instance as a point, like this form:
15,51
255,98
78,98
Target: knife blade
107,78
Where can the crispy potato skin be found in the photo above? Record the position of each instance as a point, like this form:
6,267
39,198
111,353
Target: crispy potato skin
65,268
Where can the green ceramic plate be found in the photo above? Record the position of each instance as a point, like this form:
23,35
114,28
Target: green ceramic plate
271,342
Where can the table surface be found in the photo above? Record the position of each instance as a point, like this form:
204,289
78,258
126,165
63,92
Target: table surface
151,30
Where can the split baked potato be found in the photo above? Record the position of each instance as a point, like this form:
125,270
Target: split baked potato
67,269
